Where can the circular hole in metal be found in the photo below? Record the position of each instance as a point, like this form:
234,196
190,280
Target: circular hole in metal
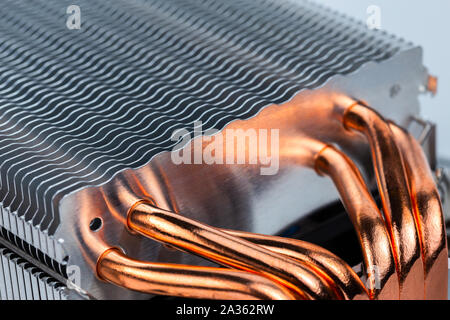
95,224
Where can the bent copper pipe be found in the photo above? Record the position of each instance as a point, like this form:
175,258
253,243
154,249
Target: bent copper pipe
187,281
322,260
377,252
429,214
374,238
215,245
394,193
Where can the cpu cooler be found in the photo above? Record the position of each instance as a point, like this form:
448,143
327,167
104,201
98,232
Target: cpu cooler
215,149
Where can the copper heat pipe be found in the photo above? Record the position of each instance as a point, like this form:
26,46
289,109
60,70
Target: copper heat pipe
187,281
215,245
429,214
338,270
367,219
394,193
272,267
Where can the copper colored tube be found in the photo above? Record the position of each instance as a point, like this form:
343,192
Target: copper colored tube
322,260
215,245
367,219
187,281
393,188
429,214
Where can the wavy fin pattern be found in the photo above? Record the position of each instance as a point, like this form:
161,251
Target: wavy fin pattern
79,106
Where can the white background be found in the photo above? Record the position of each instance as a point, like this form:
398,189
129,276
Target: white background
425,23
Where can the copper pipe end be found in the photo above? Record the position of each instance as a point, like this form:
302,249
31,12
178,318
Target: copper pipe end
432,85
187,281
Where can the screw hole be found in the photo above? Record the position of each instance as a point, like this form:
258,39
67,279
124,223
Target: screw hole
95,224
